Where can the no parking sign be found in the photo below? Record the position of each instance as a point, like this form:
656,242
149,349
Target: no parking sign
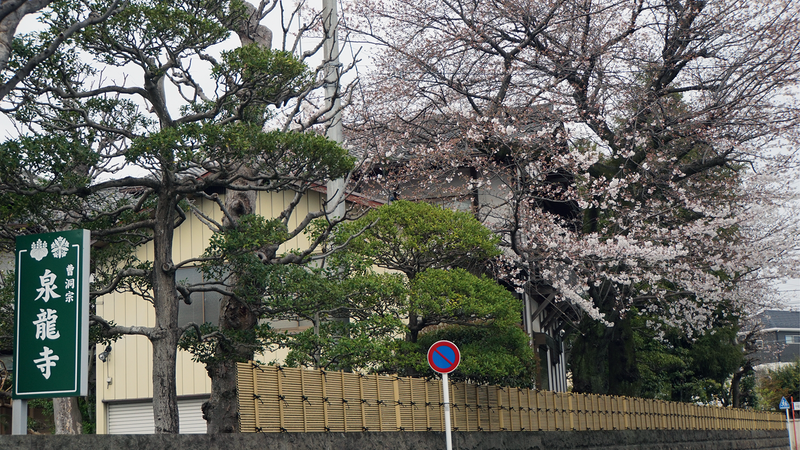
444,356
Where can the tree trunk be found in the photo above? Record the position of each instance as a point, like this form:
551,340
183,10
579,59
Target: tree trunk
220,411
67,415
736,381
164,337
589,358
736,394
165,397
623,372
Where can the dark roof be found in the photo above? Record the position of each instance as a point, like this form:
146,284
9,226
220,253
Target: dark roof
773,318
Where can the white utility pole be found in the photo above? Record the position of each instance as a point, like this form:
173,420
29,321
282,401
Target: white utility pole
330,18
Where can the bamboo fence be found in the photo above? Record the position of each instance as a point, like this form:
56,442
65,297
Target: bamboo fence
280,399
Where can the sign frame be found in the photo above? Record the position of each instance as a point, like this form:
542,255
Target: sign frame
51,329
439,354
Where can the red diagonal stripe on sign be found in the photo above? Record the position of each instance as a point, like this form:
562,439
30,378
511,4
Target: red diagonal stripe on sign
436,350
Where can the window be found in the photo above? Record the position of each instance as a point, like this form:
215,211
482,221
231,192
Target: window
205,305
793,339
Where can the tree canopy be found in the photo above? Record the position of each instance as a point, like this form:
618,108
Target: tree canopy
412,237
360,319
137,120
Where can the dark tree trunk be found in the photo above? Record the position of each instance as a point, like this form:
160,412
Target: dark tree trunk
623,372
604,358
220,411
736,381
166,333
589,358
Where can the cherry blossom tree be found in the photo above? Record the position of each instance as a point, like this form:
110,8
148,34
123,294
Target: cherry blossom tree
633,155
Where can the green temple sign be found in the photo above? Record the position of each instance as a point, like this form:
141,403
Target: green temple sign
52,315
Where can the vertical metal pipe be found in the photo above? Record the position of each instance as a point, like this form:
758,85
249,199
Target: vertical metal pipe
19,416
335,206
447,427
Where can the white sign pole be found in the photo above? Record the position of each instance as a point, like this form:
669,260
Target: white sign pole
794,422
789,429
19,416
446,391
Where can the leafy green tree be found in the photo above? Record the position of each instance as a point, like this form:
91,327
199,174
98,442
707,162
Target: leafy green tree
781,382
675,368
457,297
413,238
83,130
499,355
440,252
355,314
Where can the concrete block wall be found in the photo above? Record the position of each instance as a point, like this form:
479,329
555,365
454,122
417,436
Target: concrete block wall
551,440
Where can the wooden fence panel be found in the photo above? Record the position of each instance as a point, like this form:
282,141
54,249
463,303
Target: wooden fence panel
602,412
280,399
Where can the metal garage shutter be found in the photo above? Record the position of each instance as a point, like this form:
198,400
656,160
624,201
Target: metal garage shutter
191,416
137,418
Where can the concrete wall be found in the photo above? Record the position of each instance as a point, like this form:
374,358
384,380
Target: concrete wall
554,440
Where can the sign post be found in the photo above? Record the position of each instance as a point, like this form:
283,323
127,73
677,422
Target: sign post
51,334
444,357
785,406
794,419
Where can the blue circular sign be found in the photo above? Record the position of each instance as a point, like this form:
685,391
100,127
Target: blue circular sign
444,356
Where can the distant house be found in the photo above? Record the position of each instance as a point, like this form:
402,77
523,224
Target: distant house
778,337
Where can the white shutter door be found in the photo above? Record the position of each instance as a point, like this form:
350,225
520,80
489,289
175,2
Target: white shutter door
137,418
131,418
191,416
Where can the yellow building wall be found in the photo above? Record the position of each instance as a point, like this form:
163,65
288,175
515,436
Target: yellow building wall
127,373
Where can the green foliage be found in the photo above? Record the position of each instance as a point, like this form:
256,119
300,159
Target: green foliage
7,289
678,369
212,345
49,158
353,317
251,233
304,156
342,344
499,355
88,414
357,312
457,296
663,363
411,237
264,76
781,382
42,420
149,26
